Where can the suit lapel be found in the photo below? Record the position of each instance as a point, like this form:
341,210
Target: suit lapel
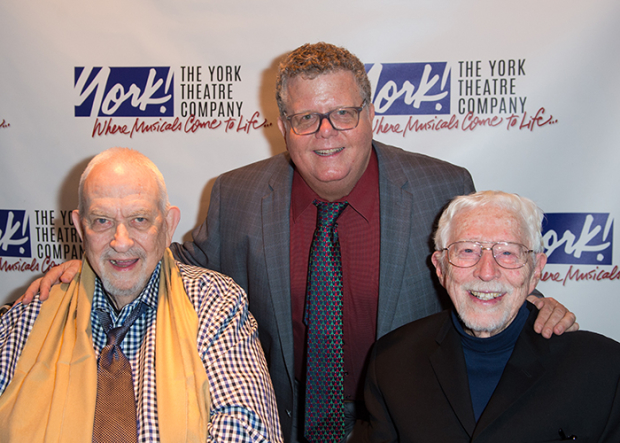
448,363
522,371
395,206
275,209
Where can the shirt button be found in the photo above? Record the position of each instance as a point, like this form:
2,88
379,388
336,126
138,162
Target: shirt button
288,412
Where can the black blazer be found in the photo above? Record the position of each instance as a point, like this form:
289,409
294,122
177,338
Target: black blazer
417,388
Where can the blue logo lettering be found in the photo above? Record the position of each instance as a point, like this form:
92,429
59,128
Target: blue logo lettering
124,92
14,233
410,88
578,238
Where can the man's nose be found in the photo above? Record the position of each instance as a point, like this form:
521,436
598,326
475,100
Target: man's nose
122,242
487,268
326,128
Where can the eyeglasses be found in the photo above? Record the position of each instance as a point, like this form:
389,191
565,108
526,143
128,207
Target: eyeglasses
341,119
465,254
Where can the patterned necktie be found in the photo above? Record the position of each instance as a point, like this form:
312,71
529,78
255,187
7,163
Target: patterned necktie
115,409
324,420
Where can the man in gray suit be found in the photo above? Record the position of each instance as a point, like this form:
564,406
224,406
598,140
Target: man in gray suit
262,218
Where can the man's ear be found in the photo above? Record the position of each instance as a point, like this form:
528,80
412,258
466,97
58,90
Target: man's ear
77,222
371,112
437,259
282,126
172,221
541,261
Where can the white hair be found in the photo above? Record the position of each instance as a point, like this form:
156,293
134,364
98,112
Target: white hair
531,215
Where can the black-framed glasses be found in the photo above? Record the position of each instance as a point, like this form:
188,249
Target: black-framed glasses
341,119
465,254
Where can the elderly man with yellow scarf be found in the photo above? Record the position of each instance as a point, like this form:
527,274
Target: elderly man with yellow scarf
188,351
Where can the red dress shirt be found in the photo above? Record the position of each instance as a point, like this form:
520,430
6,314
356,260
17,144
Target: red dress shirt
359,235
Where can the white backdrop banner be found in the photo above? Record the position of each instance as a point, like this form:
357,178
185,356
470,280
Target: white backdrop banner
523,95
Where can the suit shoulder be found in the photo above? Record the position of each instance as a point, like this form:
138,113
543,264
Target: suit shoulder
413,159
587,345
245,183
260,168
423,172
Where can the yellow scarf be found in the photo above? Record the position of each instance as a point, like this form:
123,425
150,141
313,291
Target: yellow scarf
51,397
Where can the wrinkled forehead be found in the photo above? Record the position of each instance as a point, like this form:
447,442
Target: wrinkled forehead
487,223
120,182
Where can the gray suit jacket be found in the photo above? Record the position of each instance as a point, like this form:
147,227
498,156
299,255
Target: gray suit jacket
246,236
417,388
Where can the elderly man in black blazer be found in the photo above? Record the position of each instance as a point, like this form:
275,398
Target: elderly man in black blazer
480,373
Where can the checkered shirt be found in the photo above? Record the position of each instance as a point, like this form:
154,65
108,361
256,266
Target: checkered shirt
243,407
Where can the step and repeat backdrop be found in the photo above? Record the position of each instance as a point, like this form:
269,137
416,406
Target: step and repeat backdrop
525,95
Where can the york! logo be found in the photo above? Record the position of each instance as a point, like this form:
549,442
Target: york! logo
578,238
410,88
14,233
124,92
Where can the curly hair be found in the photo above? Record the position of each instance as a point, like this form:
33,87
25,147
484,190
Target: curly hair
312,60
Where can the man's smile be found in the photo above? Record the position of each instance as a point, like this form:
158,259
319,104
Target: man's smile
328,152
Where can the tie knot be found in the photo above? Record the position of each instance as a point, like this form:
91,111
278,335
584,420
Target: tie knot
328,212
116,335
